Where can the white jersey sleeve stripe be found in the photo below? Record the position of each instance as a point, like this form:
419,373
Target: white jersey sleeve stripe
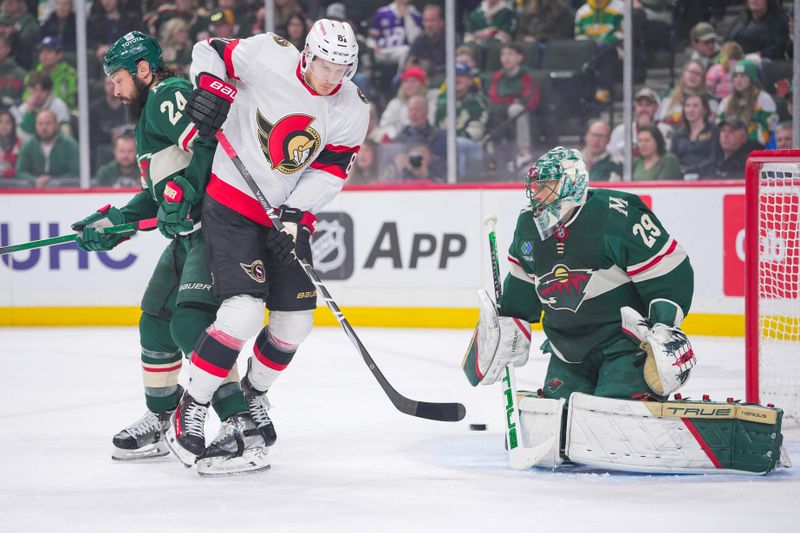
661,264
516,270
668,248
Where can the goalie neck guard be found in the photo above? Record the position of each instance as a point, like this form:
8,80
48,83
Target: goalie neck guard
332,41
556,184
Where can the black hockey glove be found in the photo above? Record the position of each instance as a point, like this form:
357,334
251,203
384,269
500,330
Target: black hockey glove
295,239
209,103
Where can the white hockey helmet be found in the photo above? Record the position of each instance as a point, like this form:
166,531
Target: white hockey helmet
332,41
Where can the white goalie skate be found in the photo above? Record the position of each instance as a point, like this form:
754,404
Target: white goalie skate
144,439
237,449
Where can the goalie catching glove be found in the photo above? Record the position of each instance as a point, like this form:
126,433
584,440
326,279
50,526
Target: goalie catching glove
497,341
669,354
295,239
90,230
209,103
173,213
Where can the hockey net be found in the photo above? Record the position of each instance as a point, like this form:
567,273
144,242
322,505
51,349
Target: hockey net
772,284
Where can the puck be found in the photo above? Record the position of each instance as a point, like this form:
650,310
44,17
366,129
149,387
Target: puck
477,427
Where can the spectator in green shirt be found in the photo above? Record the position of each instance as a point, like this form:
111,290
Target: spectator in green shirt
123,171
654,162
12,76
63,75
48,155
601,164
494,19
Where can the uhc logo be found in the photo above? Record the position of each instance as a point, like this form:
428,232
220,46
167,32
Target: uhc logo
332,246
52,255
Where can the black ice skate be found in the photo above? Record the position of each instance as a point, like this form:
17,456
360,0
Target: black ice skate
258,405
144,439
186,433
237,449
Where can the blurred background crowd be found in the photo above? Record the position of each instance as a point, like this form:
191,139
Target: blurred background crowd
712,83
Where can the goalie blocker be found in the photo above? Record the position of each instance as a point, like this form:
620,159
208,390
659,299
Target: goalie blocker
656,437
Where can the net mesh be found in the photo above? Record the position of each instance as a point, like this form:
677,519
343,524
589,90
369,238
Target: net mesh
779,286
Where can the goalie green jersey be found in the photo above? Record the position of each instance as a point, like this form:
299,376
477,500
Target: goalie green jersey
167,145
614,252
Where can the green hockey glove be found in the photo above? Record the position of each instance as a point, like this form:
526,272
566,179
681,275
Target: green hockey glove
173,213
92,240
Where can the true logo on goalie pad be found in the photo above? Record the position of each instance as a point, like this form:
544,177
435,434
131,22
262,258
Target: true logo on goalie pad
563,288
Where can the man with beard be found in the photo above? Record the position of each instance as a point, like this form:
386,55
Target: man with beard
178,304
49,154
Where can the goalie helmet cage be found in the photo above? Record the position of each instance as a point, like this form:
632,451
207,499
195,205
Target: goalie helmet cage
772,279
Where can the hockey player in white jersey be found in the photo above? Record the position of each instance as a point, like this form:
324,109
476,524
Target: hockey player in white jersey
297,123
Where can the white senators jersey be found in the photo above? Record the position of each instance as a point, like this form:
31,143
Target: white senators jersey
299,146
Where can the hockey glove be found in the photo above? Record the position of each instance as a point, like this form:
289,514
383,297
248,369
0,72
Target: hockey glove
209,103
295,239
90,236
669,354
497,341
173,213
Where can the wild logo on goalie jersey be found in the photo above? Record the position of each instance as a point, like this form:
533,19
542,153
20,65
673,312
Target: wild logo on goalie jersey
563,288
288,143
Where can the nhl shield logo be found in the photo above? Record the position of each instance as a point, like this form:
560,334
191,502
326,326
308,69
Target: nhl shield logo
289,143
332,246
563,288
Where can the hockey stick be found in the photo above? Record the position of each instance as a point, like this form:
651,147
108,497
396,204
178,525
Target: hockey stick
519,457
132,227
448,412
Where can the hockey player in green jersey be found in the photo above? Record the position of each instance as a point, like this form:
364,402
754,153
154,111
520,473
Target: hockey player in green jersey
178,304
611,288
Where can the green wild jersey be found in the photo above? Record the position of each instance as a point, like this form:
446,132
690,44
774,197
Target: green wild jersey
613,253
167,145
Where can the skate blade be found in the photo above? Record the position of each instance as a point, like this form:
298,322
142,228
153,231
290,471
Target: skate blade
251,461
150,451
186,457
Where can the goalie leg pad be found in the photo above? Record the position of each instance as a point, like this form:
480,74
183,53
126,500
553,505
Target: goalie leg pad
540,421
673,437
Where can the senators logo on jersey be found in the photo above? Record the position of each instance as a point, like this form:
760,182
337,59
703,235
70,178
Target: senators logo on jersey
563,288
289,143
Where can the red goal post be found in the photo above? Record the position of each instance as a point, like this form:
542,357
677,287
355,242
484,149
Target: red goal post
772,279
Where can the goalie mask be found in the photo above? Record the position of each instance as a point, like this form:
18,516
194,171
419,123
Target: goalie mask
556,184
332,41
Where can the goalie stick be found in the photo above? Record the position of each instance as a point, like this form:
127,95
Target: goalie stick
132,227
519,457
447,412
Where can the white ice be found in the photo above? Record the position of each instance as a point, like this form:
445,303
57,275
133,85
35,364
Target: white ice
345,459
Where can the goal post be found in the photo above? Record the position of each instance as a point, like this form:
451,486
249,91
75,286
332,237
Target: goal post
772,279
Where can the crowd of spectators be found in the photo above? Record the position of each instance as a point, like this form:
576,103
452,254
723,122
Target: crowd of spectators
725,101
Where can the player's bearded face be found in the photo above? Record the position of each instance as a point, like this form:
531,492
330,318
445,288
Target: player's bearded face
324,76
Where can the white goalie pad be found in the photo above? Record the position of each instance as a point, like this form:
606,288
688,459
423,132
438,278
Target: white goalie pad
666,437
670,356
497,342
540,420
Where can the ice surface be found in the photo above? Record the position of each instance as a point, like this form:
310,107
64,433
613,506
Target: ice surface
345,459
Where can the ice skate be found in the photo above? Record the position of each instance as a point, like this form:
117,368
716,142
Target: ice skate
237,449
258,404
186,433
144,439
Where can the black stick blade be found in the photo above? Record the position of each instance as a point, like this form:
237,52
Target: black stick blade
444,412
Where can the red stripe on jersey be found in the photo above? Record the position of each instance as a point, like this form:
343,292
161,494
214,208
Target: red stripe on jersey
236,200
655,260
702,442
513,260
336,170
267,362
341,148
229,59
168,369
188,139
211,368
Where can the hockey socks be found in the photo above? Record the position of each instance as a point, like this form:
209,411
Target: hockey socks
212,360
160,372
270,357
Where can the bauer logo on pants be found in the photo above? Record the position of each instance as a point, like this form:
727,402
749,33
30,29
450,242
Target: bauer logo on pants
332,246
